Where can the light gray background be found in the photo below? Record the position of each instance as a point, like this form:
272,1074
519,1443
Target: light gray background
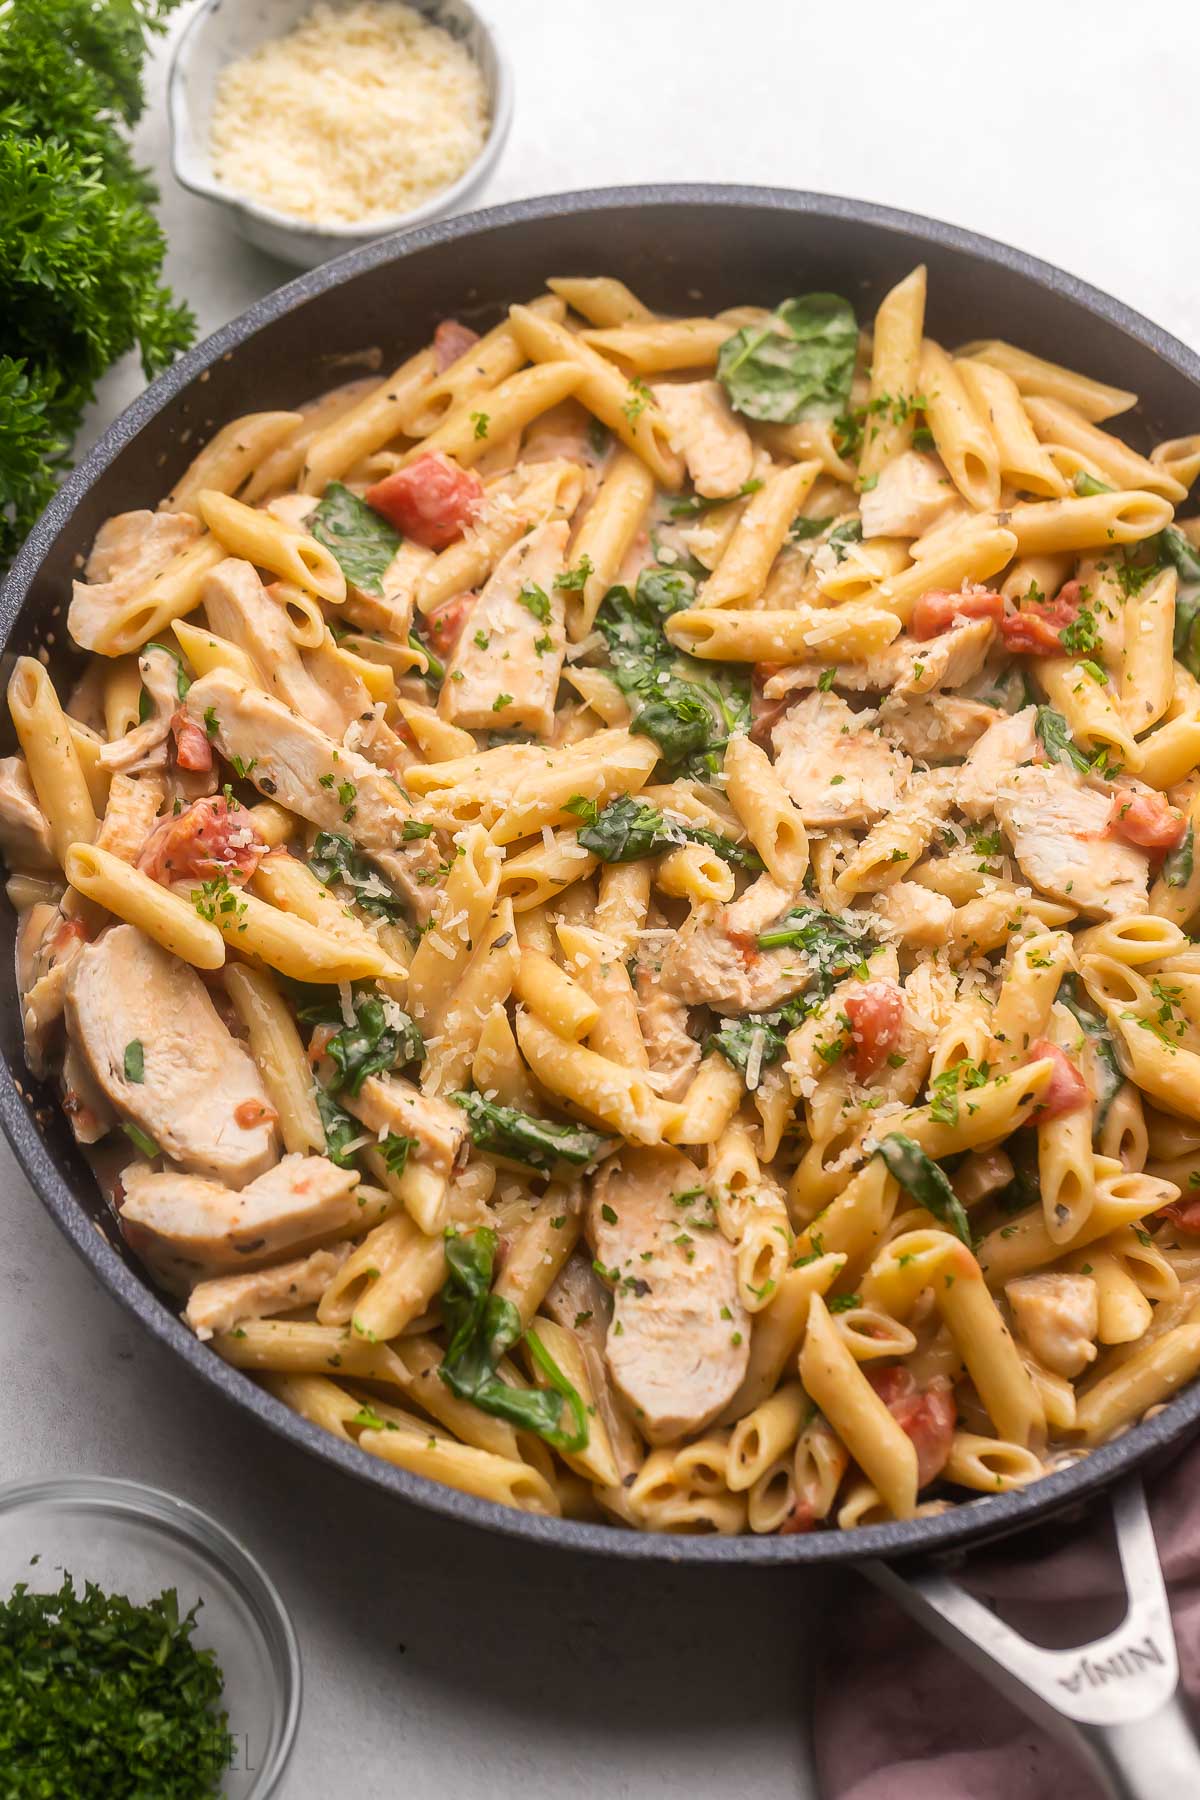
439,1661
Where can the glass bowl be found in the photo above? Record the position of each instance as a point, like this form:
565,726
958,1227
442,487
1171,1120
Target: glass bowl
137,1540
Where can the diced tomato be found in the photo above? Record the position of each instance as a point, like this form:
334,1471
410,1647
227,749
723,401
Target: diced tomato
927,1416
876,1015
207,839
1146,820
1034,628
192,748
450,341
319,1040
1066,1090
800,1518
937,610
1184,1213
432,501
249,1113
444,625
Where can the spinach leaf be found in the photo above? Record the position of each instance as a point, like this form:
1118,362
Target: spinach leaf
1179,863
798,365
833,945
340,1129
801,528
1177,551
435,674
928,1185
363,543
482,1328
1011,691
1054,734
1180,552
335,858
695,504
627,830
737,1039
183,680
687,708
538,1143
1110,1076
848,533
1086,485
372,1045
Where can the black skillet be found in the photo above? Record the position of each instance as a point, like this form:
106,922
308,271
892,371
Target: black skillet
693,249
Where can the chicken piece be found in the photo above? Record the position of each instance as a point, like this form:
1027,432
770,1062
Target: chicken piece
133,803
714,444
674,1054
187,1222
241,609
224,1301
84,1102
714,960
939,729
908,666
24,831
388,1103
838,771
503,674
130,550
579,1301
1009,741
911,495
1056,828
945,661
145,747
679,1341
293,762
1058,1318
48,944
913,915
293,510
197,1084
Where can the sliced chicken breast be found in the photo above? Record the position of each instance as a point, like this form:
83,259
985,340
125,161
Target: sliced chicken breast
199,1096
145,747
1009,741
906,667
714,959
837,770
679,1341
24,832
913,915
1058,1318
1056,828
942,728
505,668
130,550
188,1222
238,607
224,1301
912,493
48,944
388,1103
292,761
714,444
129,817
674,1054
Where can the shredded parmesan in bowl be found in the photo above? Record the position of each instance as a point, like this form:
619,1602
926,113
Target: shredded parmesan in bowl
360,112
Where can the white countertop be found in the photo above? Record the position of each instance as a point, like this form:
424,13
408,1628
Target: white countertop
439,1661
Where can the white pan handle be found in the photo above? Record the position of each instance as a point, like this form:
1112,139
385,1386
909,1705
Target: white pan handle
1116,1701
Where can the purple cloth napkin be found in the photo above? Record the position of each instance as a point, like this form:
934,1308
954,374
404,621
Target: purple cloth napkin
900,1718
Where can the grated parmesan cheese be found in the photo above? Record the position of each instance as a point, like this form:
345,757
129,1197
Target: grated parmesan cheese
360,112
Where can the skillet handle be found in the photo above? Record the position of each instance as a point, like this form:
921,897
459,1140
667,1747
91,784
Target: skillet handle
1114,1702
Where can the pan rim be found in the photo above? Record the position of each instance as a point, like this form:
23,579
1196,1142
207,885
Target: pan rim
967,1523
